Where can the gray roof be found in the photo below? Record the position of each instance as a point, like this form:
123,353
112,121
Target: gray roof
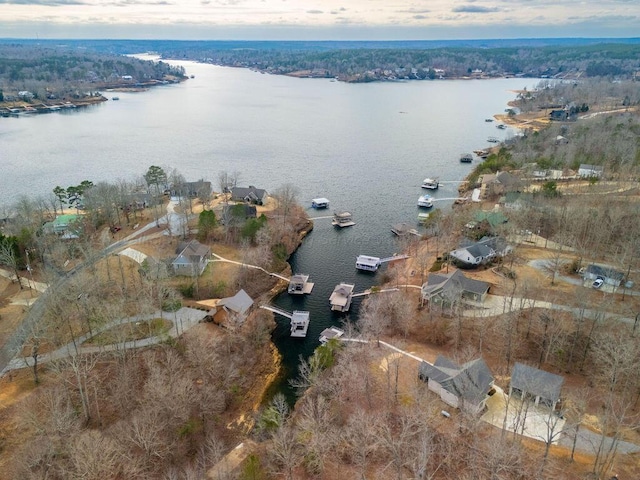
239,303
193,249
470,381
455,280
507,179
536,382
605,272
248,192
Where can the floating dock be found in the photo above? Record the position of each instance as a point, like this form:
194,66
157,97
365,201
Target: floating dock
299,320
371,264
342,219
340,299
299,284
330,333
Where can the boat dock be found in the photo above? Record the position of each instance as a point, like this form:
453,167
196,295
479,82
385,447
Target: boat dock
340,299
330,333
342,219
299,320
402,229
371,264
299,284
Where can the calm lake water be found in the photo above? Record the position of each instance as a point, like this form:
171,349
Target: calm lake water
366,147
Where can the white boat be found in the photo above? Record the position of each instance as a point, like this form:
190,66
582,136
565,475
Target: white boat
320,203
367,263
501,126
342,219
340,299
430,183
330,333
493,140
425,201
299,324
466,158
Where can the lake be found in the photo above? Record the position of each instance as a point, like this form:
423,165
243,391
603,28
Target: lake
366,147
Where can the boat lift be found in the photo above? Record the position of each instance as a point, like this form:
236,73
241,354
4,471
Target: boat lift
299,320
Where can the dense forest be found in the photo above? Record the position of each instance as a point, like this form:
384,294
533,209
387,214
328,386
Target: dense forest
50,72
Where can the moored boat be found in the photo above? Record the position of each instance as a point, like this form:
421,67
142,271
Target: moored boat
430,183
320,203
466,158
425,201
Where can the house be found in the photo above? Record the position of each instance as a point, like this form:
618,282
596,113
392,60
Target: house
257,196
192,258
498,184
466,387
559,115
609,275
449,289
66,226
587,171
233,308
494,218
480,252
241,211
200,188
533,384
26,95
239,304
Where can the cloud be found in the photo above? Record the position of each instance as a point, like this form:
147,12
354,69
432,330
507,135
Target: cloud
315,12
416,11
420,17
46,3
474,9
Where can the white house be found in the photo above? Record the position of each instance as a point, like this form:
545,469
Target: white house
586,170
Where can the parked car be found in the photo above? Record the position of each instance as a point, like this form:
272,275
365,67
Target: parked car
598,282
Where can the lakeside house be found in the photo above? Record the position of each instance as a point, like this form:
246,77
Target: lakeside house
529,383
228,213
451,289
192,258
236,307
472,254
197,189
67,226
466,387
498,184
251,194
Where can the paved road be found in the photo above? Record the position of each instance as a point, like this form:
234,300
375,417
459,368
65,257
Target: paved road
14,343
183,320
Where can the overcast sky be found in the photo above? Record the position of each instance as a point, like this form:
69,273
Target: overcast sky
319,19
